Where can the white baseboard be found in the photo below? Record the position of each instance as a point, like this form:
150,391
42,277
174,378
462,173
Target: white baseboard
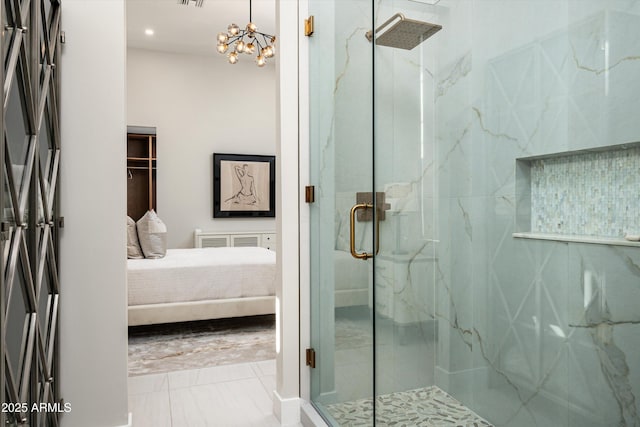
287,411
129,421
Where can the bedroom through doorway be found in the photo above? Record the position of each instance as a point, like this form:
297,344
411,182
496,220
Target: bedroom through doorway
201,288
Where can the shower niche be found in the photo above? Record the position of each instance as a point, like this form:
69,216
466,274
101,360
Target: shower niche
588,196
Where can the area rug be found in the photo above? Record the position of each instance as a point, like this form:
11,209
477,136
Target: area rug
193,345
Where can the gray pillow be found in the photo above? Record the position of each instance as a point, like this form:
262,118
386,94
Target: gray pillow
133,245
153,235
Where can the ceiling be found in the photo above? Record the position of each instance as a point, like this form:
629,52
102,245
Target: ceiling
190,29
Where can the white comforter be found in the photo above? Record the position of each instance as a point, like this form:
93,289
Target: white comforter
202,274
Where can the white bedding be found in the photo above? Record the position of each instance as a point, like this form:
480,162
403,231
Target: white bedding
202,274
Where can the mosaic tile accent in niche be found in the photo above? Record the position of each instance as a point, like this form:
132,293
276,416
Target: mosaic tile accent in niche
594,193
425,407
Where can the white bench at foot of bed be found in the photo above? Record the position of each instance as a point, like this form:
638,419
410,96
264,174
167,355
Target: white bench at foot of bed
201,283
200,310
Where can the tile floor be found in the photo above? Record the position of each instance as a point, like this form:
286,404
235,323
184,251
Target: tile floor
221,396
427,407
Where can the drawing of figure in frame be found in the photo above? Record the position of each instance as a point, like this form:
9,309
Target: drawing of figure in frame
247,193
244,186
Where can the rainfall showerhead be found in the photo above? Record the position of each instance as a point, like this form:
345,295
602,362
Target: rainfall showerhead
405,33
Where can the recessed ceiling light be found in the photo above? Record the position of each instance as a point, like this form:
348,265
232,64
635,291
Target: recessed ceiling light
149,32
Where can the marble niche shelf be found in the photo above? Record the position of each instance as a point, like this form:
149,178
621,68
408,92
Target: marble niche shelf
583,196
577,239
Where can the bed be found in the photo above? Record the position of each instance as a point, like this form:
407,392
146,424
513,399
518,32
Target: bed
201,283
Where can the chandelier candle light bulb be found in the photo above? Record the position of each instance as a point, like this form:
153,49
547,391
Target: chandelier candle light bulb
263,43
233,29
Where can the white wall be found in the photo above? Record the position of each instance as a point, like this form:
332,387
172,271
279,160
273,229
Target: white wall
304,231
287,394
200,105
93,318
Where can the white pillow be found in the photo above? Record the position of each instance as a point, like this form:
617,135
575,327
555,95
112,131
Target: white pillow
153,235
133,245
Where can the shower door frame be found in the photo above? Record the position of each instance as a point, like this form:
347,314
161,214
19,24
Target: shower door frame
305,168
305,159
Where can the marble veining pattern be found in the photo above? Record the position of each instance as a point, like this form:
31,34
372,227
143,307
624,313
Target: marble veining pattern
613,360
450,314
427,407
460,69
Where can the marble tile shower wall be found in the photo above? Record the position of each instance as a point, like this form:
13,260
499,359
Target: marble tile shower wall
533,333
527,329
589,194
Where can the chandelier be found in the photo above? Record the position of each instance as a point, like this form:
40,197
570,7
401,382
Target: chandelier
248,40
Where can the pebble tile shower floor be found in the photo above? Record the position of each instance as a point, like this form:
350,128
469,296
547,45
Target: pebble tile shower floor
425,407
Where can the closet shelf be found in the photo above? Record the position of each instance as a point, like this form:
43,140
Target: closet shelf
146,159
141,160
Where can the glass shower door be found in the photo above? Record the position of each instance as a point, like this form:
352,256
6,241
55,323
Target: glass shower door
404,128
502,153
372,284
341,168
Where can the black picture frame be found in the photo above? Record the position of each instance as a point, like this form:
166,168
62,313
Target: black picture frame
244,186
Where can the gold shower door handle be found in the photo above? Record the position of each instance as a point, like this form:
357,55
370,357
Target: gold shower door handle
352,232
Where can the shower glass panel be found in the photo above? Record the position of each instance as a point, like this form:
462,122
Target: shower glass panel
404,275
503,156
341,127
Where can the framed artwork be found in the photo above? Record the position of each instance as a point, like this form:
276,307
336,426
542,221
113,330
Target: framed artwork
244,186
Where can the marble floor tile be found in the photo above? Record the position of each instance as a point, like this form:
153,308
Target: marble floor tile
269,383
211,375
235,403
144,384
265,367
223,396
187,375
151,409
